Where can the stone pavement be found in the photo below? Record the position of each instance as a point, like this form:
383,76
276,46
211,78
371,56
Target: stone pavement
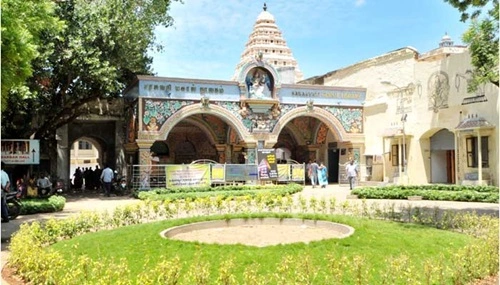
76,204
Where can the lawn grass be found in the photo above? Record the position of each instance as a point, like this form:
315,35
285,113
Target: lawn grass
376,242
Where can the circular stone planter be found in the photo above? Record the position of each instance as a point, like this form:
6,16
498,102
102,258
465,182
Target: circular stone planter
258,231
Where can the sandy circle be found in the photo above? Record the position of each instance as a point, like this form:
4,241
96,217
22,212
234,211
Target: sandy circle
258,232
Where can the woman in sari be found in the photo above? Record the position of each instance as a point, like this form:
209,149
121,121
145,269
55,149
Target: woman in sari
322,175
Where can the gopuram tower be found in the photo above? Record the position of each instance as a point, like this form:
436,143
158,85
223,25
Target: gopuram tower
267,43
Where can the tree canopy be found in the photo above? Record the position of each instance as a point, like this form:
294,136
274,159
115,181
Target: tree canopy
21,39
103,44
482,39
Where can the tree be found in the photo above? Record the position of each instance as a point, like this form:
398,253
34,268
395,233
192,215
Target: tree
103,45
21,41
482,38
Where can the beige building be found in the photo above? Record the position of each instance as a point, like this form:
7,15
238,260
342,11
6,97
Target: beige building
420,100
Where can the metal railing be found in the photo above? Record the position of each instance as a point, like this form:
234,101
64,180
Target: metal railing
145,177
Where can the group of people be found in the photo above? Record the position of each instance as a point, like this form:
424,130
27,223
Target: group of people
318,173
87,177
93,179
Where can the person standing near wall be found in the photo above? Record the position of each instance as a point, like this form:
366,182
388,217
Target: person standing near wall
314,173
107,176
352,172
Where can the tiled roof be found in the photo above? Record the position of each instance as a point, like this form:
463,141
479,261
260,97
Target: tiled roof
474,123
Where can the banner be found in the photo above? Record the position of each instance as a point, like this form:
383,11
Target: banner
190,175
21,151
241,172
298,172
217,172
283,172
267,164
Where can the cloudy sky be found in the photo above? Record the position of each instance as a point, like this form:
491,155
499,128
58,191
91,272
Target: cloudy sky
209,36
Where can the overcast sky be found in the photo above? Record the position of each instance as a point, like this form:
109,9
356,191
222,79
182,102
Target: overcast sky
209,36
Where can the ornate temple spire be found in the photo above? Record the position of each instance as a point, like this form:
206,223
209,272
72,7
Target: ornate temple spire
266,40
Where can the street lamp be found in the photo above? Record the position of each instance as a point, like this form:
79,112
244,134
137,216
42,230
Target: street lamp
403,120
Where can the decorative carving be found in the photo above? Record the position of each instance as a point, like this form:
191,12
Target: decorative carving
310,105
350,118
157,111
439,90
276,111
467,76
205,102
244,112
321,135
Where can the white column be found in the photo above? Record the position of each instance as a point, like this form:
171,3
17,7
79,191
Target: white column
457,142
400,158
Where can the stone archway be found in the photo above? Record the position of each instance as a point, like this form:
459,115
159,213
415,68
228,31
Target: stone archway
212,109
319,138
324,116
99,133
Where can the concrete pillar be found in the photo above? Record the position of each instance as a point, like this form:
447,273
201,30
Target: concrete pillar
63,155
145,163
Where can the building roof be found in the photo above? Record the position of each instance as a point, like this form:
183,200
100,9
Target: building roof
474,122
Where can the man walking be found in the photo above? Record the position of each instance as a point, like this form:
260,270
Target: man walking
107,176
352,172
314,173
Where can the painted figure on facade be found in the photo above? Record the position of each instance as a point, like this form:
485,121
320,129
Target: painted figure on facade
152,125
259,84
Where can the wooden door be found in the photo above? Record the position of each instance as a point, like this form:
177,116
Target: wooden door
450,166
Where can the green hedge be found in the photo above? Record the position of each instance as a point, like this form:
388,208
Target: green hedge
42,205
486,194
445,187
224,191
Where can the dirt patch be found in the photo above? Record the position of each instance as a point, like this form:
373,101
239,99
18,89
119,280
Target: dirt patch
9,277
259,232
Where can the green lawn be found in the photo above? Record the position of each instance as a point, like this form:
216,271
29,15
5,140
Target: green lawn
377,250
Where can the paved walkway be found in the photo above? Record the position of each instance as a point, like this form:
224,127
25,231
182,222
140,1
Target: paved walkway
75,205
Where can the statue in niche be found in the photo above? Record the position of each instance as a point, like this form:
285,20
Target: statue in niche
259,83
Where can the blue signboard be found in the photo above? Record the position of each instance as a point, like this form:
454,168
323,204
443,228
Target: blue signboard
322,95
241,172
189,90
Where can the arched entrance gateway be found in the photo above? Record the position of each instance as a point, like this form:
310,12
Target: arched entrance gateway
228,121
261,108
